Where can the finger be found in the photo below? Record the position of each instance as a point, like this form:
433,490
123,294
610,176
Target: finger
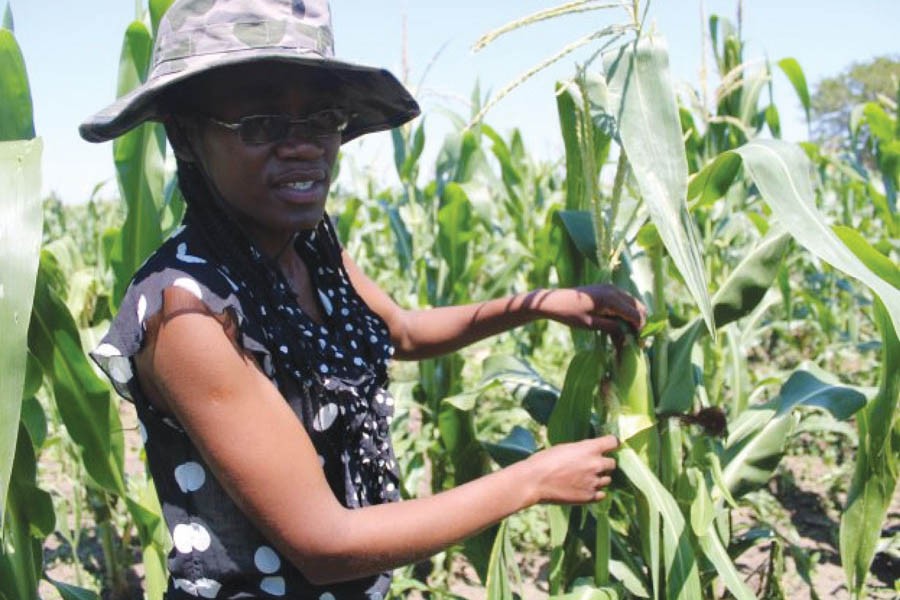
604,481
607,443
599,495
607,465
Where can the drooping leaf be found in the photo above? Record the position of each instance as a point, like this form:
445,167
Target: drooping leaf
758,436
781,173
516,446
751,279
20,241
643,102
534,394
803,387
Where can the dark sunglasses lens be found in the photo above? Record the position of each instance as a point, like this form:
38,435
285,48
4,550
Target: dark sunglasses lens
263,129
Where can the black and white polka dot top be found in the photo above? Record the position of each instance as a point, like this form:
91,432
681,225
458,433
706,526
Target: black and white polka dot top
337,391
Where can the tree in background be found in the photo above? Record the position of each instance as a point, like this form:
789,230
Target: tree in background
835,97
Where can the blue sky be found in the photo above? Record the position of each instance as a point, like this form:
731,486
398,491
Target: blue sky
71,50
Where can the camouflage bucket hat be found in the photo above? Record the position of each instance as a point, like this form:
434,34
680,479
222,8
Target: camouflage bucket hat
196,36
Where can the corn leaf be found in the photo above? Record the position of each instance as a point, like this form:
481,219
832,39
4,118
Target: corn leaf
455,225
682,574
781,173
83,400
20,241
139,165
718,556
16,117
502,557
751,279
643,102
794,73
571,417
31,519
876,471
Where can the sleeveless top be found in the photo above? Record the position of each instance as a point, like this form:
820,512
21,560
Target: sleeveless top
337,392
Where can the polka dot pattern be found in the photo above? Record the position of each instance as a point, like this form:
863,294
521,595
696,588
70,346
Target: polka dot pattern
190,536
331,373
190,476
273,585
266,560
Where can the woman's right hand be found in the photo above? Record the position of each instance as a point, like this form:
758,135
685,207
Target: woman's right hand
573,473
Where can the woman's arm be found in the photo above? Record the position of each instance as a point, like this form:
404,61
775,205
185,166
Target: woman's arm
419,334
262,455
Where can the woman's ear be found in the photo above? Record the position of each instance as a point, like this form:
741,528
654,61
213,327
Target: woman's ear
179,138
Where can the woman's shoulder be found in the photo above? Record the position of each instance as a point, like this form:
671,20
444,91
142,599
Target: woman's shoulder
182,261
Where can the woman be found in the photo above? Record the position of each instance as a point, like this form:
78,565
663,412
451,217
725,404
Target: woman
255,350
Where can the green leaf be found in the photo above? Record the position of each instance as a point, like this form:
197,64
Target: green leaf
516,446
880,264
714,550
71,592
157,9
713,180
781,173
536,395
875,473
646,110
139,157
16,117
29,519
678,394
682,574
804,388
403,242
8,22
455,223
577,224
880,124
498,585
794,73
754,448
751,279
399,144
571,417
83,400
20,242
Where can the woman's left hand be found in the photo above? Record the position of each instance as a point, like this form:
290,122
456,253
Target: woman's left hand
601,306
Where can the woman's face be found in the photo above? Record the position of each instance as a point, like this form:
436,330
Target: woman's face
274,189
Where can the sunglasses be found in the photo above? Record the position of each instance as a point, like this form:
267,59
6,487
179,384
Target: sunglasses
270,129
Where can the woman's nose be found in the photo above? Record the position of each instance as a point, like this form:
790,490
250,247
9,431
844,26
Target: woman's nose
300,143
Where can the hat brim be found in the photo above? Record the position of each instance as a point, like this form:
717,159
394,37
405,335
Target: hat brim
374,97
